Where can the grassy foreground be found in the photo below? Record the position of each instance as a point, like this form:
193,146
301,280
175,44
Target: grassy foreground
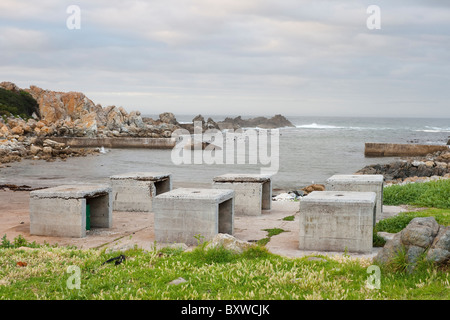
29,271
64,273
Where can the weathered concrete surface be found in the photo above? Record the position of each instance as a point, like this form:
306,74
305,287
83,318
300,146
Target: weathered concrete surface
74,191
134,191
400,150
61,211
253,192
137,228
337,221
183,214
360,183
117,142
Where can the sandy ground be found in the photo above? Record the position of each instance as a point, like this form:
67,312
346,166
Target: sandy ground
131,228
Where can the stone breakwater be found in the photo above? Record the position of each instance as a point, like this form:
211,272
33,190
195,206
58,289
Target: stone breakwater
413,169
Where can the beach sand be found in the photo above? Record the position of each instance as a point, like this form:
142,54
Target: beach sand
132,228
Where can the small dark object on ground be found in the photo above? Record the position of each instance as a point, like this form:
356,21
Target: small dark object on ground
118,260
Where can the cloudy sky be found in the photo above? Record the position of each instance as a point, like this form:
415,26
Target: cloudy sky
236,57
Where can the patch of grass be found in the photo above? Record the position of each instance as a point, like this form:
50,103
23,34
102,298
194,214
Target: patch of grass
377,240
255,274
433,194
289,218
270,233
399,222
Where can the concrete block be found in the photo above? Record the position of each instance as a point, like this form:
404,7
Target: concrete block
182,214
360,183
253,192
337,221
134,192
61,211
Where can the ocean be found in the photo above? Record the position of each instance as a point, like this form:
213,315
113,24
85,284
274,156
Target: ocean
312,151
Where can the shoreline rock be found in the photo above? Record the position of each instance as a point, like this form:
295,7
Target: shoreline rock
423,236
72,114
414,169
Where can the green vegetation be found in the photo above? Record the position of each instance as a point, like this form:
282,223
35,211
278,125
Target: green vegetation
433,194
270,233
289,218
17,104
45,273
399,222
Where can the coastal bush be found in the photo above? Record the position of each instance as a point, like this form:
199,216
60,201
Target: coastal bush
17,104
434,194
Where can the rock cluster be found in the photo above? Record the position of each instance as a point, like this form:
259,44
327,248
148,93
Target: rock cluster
421,237
35,148
277,121
412,169
72,114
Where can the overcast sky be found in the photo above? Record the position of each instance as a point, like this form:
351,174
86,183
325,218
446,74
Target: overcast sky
236,57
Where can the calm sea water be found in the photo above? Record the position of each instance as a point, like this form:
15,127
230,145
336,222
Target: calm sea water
315,149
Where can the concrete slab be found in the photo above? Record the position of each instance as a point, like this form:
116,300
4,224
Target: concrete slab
337,221
253,192
137,228
77,191
134,191
61,211
361,183
242,177
183,214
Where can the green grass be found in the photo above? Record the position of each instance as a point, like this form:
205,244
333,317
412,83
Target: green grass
41,272
399,222
433,194
270,233
209,274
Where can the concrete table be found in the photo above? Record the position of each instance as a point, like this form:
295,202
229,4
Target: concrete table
337,221
134,191
61,211
253,192
183,214
361,183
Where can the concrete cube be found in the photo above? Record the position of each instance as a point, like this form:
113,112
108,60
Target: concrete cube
61,211
361,183
183,214
253,192
337,221
135,191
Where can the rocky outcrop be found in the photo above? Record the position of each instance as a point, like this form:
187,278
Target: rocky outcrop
199,123
277,121
422,237
412,169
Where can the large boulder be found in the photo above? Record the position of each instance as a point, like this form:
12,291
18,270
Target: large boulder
440,248
168,117
228,242
422,236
